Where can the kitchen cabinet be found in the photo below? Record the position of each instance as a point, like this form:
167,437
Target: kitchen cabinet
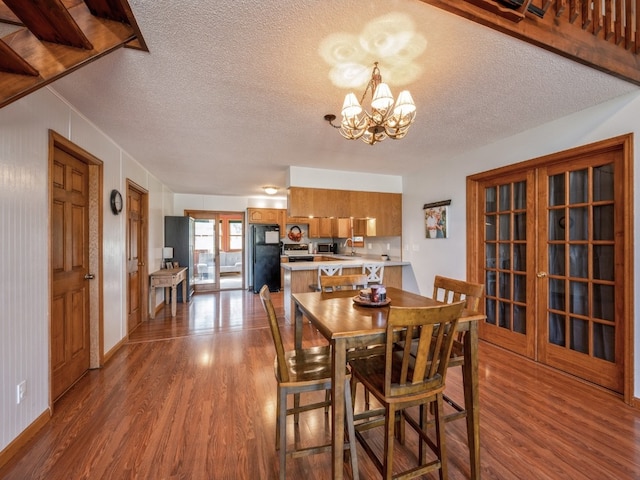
318,202
325,227
364,227
314,228
341,227
265,215
270,216
385,208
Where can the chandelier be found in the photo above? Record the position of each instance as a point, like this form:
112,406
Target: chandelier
387,119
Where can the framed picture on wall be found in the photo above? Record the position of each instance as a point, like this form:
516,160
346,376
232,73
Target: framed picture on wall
436,218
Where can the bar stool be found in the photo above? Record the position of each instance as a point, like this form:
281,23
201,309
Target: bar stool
325,270
296,372
399,380
373,271
331,283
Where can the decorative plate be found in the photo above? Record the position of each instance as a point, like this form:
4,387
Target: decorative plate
367,303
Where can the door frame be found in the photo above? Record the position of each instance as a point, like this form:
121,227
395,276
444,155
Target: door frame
96,319
216,214
475,232
143,270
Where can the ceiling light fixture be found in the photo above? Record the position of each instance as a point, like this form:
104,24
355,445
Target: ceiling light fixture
269,190
387,119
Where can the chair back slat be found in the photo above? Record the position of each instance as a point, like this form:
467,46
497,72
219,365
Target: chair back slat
373,271
450,290
433,329
342,282
328,270
265,298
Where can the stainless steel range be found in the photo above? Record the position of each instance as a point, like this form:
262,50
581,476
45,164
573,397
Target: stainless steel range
297,252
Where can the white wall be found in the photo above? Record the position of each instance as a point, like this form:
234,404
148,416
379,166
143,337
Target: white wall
24,236
446,179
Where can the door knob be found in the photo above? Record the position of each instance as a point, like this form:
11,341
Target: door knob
541,274
89,276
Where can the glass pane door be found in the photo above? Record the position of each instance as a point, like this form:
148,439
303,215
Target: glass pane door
577,271
205,255
507,257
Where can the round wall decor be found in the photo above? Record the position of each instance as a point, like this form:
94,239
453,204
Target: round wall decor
116,202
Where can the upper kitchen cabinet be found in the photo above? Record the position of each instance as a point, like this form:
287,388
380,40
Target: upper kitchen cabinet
270,216
318,202
266,215
385,208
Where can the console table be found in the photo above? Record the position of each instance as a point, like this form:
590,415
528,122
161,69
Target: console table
168,278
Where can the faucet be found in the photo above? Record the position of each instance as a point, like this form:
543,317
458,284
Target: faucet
350,239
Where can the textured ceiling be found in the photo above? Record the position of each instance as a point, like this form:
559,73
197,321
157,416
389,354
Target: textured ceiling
233,92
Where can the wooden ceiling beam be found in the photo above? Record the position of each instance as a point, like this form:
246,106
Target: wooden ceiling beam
565,29
11,62
119,11
52,60
50,21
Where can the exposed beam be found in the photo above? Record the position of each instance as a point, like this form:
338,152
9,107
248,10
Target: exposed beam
52,60
50,21
11,62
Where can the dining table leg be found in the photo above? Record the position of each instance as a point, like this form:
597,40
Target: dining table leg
338,366
297,327
471,397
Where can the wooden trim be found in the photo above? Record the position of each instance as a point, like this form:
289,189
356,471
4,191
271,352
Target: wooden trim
21,440
96,174
144,232
622,142
629,285
109,355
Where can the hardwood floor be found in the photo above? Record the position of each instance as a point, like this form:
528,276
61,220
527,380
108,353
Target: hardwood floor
194,398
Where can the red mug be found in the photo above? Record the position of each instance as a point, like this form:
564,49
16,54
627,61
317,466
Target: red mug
374,294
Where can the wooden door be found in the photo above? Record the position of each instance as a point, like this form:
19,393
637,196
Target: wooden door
136,253
580,279
550,239
70,301
509,228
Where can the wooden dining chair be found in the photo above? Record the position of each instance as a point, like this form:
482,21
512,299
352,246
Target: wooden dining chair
300,371
342,282
325,270
374,272
450,290
399,380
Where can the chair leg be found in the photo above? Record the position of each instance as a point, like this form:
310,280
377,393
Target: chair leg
278,420
389,425
440,437
423,425
296,405
282,429
351,432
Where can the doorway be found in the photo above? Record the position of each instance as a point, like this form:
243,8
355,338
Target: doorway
137,272
75,331
219,250
551,239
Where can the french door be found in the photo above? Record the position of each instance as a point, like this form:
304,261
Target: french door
552,252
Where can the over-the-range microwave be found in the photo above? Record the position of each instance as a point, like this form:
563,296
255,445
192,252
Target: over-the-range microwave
327,247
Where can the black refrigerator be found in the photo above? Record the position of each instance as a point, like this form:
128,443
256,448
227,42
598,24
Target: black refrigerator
179,234
265,252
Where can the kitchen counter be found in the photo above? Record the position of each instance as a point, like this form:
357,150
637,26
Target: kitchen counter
298,276
347,261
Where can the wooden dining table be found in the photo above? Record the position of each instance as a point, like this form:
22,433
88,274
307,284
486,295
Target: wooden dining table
347,326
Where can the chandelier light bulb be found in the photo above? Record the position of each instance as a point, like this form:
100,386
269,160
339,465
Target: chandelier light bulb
386,119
